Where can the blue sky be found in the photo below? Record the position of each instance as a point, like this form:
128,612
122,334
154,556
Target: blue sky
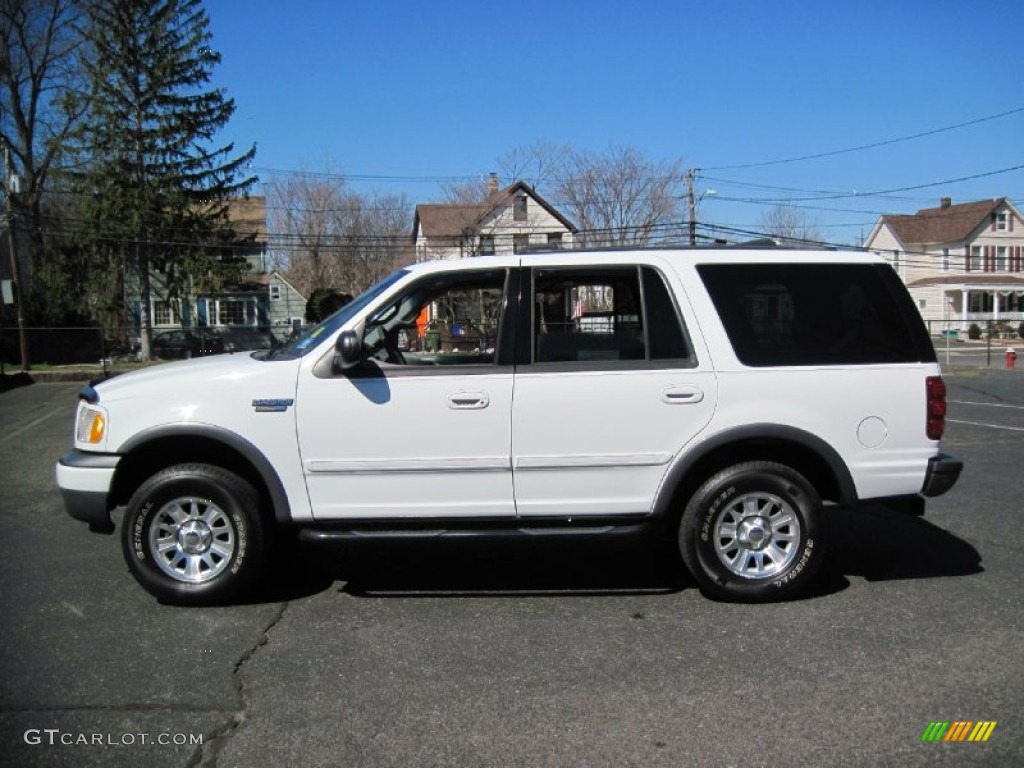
401,94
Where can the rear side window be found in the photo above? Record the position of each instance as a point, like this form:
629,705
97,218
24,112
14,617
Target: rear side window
605,316
816,314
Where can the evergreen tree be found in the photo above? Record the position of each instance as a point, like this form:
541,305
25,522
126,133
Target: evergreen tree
157,190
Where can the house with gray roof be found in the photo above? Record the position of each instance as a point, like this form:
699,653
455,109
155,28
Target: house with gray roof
509,220
961,262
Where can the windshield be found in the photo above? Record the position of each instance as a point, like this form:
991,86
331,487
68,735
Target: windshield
312,337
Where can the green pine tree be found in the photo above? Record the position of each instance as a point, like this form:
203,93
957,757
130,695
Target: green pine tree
157,190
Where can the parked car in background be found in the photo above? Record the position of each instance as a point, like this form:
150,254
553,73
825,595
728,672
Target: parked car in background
184,344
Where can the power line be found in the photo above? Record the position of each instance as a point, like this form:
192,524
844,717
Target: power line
862,147
881,192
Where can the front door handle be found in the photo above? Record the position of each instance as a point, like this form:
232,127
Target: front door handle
468,401
682,394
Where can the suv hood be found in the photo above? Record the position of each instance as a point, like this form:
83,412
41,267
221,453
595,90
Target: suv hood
207,373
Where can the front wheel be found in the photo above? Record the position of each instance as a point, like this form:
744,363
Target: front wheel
193,535
751,533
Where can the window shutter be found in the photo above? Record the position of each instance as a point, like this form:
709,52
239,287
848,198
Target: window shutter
967,258
993,227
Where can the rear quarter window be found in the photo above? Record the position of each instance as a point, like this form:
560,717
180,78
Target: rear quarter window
816,314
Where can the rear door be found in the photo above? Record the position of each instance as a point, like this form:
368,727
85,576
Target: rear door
610,384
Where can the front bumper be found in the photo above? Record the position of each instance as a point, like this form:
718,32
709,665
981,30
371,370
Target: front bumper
84,480
941,475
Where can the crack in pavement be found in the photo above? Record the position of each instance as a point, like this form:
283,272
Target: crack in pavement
206,754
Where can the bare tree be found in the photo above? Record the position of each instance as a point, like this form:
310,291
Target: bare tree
538,164
471,192
39,104
620,198
376,239
325,237
305,216
790,226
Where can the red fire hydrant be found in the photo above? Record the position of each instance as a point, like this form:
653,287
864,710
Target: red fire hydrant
1011,357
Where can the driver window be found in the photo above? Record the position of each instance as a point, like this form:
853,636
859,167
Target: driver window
445,320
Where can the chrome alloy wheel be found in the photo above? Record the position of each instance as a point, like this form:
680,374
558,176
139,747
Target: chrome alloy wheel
757,536
191,539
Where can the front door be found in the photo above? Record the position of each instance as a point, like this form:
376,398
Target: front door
422,427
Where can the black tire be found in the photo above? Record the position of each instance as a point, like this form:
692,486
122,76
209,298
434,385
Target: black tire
193,534
752,533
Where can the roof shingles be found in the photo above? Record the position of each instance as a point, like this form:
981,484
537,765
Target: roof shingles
946,224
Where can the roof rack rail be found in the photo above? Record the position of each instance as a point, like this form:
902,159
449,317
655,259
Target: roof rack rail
759,242
763,242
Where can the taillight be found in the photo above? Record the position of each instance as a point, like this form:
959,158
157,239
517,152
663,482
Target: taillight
936,409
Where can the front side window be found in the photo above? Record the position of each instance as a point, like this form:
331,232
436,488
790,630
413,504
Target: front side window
604,315
520,242
312,337
1001,258
446,319
486,245
816,314
1002,219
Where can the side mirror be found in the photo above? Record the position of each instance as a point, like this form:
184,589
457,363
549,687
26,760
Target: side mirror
349,347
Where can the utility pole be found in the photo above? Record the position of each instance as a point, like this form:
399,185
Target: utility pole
15,278
693,206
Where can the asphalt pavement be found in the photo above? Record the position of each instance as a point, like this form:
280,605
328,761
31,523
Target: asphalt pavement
600,654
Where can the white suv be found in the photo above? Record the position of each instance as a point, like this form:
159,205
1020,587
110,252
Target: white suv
728,393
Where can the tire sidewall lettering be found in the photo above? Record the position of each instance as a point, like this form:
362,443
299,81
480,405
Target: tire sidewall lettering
797,568
139,530
241,541
712,511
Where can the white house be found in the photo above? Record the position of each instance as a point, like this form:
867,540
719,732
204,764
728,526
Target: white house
508,220
961,263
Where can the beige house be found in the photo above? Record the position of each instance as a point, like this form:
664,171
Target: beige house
961,263
508,220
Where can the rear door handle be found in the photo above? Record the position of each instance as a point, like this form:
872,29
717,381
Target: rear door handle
682,394
467,401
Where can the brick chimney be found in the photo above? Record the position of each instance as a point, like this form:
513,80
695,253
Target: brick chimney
945,202
492,183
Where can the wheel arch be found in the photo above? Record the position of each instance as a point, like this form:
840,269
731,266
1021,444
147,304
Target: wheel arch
160,447
808,454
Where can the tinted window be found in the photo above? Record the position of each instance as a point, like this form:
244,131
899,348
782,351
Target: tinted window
667,340
816,314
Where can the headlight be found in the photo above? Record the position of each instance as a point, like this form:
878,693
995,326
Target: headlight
92,425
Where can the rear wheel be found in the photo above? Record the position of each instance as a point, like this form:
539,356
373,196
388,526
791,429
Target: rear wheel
751,533
193,535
